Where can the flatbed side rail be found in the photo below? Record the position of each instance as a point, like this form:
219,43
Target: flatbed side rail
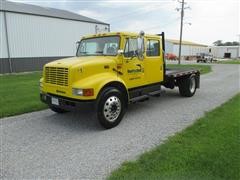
181,73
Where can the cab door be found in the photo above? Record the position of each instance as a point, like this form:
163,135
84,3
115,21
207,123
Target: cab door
133,68
153,61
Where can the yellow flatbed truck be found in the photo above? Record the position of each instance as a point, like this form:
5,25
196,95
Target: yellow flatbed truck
110,71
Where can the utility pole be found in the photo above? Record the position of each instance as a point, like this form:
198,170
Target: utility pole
181,27
181,9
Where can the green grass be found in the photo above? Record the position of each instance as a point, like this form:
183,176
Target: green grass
19,94
204,69
209,149
236,61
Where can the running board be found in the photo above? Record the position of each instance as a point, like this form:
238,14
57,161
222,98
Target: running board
139,99
146,97
155,93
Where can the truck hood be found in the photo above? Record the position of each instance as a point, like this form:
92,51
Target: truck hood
84,60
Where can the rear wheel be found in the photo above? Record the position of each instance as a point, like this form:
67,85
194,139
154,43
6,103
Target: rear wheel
57,109
111,107
187,86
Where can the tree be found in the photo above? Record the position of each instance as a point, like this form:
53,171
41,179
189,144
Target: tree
218,43
228,43
235,43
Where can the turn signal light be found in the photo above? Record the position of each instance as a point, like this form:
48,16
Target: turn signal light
88,92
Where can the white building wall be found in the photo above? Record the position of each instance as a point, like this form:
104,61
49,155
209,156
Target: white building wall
37,36
188,50
3,41
168,47
219,51
175,49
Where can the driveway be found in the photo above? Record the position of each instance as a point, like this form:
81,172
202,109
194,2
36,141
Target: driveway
48,145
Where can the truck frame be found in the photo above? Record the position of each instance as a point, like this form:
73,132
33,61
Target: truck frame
111,71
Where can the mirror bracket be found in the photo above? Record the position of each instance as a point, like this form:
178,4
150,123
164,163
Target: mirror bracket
120,52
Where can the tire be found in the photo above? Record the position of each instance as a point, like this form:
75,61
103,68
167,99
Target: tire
187,86
111,107
57,110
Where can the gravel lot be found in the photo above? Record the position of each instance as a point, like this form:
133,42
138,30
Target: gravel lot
48,145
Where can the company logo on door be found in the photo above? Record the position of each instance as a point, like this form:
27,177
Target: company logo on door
141,70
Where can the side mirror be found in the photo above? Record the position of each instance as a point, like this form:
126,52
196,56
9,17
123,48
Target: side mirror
140,47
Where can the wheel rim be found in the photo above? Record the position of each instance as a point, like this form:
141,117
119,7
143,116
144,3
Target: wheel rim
192,85
112,108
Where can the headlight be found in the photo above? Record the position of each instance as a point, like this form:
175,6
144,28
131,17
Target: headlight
77,92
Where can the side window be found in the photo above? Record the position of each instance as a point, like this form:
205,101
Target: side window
130,47
153,48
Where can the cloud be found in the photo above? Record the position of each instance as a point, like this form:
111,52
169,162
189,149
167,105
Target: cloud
211,19
91,14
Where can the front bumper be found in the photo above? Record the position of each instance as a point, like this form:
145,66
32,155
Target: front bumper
67,103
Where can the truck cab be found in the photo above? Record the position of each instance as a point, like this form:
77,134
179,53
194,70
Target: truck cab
110,71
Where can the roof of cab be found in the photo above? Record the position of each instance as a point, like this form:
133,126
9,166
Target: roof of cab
119,34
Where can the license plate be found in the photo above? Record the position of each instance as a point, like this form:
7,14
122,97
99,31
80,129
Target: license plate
55,101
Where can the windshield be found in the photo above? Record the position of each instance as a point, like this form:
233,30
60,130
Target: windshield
107,46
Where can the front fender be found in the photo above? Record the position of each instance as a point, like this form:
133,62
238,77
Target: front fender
97,82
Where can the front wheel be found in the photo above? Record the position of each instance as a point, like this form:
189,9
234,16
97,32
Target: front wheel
187,86
111,107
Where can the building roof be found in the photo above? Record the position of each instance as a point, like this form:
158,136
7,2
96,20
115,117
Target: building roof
174,41
44,11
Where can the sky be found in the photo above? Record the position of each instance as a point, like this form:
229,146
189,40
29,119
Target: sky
205,21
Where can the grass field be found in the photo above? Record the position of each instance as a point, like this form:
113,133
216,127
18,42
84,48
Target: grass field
203,68
229,62
209,149
19,94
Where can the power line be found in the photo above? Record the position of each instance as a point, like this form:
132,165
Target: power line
163,25
135,12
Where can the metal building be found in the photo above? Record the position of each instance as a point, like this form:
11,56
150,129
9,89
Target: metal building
188,48
225,51
32,35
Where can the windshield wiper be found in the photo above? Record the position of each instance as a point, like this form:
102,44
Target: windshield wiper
83,52
99,52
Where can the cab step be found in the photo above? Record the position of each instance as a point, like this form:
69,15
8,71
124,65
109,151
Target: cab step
139,99
156,93
147,96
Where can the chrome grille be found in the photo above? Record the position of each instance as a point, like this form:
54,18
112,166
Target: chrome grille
56,75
